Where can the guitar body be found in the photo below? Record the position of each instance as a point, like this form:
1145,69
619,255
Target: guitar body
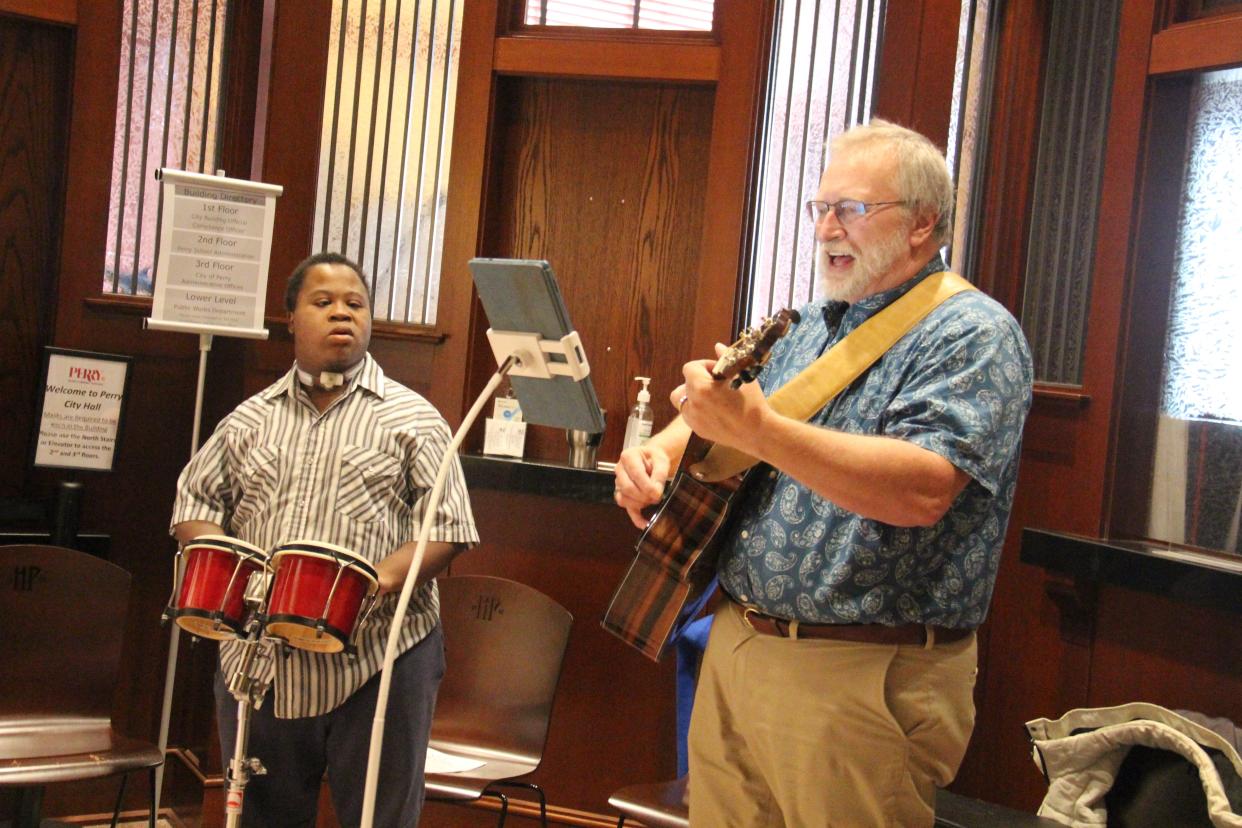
669,581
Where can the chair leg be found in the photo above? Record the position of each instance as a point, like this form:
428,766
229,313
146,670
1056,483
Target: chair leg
621,822
120,796
154,795
531,786
504,807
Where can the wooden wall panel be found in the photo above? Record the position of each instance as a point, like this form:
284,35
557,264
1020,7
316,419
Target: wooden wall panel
35,63
1052,643
914,86
1035,656
1168,652
615,204
612,724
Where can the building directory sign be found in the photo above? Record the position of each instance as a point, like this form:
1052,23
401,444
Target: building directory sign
215,238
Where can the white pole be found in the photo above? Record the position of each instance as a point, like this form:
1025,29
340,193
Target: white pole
174,639
407,589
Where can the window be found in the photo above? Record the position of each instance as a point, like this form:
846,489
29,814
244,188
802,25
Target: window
1203,353
168,104
1196,494
385,147
683,15
820,84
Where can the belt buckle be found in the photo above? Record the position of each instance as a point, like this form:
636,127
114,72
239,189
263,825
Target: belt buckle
747,612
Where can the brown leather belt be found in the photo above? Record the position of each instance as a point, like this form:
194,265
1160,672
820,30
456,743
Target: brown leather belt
922,635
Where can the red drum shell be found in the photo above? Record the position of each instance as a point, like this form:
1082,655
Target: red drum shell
301,586
214,585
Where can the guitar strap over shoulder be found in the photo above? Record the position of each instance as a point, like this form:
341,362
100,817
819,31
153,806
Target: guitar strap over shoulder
827,376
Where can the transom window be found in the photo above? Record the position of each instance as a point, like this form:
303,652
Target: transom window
683,15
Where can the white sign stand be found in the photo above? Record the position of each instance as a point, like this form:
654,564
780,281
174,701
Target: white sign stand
212,252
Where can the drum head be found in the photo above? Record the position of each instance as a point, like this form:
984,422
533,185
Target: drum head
238,547
302,635
205,627
331,551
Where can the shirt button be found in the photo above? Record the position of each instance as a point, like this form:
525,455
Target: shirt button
772,474
745,534
743,598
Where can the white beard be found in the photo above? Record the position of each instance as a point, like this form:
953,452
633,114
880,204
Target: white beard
870,266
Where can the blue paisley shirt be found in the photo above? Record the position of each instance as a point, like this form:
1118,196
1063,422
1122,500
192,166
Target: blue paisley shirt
958,384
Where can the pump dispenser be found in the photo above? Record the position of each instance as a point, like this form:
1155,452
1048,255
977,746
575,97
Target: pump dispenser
638,425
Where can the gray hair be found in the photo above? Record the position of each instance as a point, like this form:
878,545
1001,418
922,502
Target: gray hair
922,175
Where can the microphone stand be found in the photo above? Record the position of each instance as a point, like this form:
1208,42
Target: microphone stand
249,690
407,589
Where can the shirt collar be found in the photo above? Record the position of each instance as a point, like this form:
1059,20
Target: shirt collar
370,378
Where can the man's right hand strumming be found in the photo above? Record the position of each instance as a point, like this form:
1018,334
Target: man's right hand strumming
641,471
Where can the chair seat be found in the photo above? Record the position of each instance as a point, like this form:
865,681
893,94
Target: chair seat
470,784
121,755
656,804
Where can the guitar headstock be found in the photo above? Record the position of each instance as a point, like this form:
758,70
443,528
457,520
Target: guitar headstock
743,359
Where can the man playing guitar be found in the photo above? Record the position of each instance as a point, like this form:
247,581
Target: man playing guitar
836,688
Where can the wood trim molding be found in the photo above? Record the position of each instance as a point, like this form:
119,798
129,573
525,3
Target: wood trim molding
1209,43
747,27
118,304
1070,397
557,814
141,306
560,57
914,86
64,12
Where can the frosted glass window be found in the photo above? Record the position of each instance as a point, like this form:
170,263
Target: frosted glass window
1203,350
821,80
821,83
679,15
385,147
167,115
970,74
1196,496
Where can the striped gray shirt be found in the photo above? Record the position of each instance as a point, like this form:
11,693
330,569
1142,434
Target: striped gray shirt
277,470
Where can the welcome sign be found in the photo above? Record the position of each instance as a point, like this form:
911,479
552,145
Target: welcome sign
83,402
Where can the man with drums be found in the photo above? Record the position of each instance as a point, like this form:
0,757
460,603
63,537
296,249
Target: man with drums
318,481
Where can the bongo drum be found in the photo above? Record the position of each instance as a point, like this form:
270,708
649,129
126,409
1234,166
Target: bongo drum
321,594
210,600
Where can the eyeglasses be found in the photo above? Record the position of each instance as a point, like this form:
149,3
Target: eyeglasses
847,209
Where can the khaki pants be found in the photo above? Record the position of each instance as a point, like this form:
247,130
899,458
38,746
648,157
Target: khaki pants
825,733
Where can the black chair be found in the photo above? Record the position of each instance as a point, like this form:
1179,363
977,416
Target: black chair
504,643
62,613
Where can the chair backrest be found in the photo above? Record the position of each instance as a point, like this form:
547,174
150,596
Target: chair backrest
504,643
62,622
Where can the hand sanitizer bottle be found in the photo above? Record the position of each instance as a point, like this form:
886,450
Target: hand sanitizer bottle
638,425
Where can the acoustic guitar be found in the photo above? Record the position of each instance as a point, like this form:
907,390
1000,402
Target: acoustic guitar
668,583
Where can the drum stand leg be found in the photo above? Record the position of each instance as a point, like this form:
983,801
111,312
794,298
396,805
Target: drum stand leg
249,687
240,768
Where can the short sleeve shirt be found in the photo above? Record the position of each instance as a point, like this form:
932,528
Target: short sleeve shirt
277,470
957,384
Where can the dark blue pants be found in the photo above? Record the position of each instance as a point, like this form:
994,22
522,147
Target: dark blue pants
297,752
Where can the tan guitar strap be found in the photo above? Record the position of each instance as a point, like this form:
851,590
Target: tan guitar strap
844,362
